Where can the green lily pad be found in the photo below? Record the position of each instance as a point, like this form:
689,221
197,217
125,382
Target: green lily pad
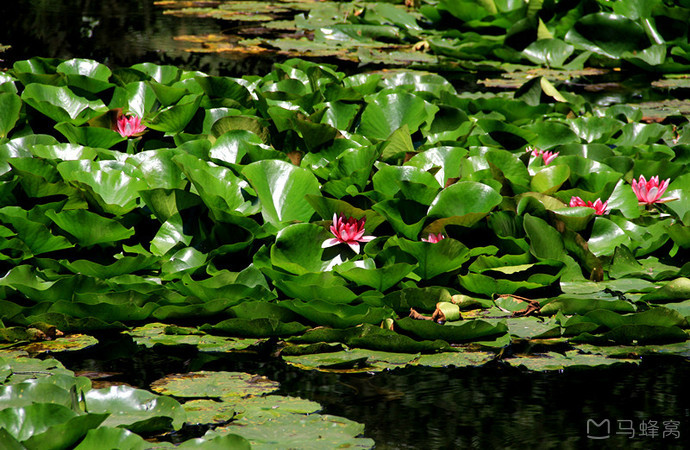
461,330
36,391
532,328
214,384
558,361
633,351
335,314
455,359
47,425
371,337
158,333
281,188
674,290
355,360
434,258
298,431
209,411
573,305
68,343
135,409
107,437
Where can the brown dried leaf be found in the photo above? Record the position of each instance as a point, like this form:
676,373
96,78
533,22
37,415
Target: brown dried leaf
417,316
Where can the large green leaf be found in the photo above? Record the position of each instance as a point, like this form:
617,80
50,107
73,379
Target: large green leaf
47,425
218,187
574,305
549,52
405,216
435,258
61,104
89,228
465,199
36,236
89,136
298,249
324,286
610,35
606,236
106,437
379,278
389,111
557,361
462,330
85,74
545,241
10,104
299,431
174,119
135,409
33,391
372,337
261,327
550,179
446,159
413,183
213,385
281,188
111,185
337,315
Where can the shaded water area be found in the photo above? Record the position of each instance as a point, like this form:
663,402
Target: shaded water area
489,407
115,32
495,406
121,33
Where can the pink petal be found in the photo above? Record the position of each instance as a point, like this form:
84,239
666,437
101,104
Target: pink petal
329,243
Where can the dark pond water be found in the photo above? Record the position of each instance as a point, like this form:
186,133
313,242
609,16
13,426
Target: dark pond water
127,32
497,407
486,408
114,32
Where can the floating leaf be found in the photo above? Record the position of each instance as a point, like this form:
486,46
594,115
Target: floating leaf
137,410
571,359
281,188
214,384
10,104
463,330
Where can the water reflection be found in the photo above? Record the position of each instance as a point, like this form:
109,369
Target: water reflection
494,407
506,408
115,32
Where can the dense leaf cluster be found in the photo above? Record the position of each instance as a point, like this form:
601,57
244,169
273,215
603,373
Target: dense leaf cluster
218,213
650,35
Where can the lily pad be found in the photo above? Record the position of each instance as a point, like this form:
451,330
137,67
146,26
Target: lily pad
135,409
214,384
558,361
68,343
456,359
350,361
298,431
157,333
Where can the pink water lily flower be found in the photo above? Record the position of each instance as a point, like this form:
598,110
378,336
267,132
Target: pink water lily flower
129,126
534,151
546,156
649,192
598,207
350,232
434,238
